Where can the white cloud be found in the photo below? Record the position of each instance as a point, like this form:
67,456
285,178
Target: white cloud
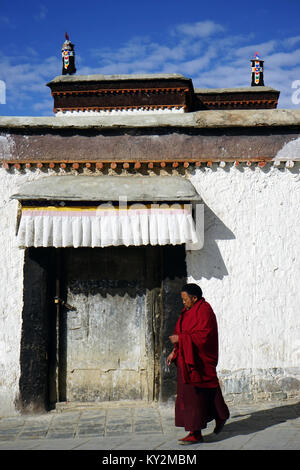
201,62
25,82
44,106
281,59
200,29
41,13
262,48
290,42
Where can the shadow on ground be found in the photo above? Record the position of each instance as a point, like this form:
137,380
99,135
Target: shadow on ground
249,423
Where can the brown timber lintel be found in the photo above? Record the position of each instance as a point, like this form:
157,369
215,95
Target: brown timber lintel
39,163
120,91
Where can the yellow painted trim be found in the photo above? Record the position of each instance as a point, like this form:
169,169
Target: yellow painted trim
97,208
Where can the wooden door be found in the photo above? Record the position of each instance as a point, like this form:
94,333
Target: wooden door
109,341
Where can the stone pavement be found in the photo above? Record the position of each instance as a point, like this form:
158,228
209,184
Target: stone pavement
137,426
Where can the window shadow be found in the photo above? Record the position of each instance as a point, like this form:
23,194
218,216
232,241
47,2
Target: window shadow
208,262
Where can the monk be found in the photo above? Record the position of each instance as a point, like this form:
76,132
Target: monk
195,339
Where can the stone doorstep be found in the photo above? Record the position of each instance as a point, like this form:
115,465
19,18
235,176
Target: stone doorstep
104,405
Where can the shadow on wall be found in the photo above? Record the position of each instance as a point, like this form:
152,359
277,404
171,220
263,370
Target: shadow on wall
208,261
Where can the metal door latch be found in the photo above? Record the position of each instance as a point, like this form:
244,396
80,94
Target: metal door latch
57,300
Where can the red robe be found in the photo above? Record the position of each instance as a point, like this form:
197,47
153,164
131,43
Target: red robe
197,350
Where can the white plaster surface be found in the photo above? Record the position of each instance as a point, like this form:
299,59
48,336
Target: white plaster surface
290,151
249,268
11,291
6,146
249,271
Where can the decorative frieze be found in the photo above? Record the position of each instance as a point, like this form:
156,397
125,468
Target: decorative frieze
121,110
107,94
143,165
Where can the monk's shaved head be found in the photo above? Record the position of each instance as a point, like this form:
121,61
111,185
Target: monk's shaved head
192,290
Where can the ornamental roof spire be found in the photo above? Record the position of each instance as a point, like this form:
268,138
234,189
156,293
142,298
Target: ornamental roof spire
68,57
257,67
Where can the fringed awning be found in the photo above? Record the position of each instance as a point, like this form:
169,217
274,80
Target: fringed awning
99,211
106,225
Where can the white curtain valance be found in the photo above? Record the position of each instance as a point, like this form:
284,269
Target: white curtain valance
101,226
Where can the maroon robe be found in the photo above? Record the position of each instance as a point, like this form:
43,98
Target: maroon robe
199,397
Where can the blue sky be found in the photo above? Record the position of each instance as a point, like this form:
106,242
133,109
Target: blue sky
211,42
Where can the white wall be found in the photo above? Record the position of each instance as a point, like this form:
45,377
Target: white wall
249,270
11,289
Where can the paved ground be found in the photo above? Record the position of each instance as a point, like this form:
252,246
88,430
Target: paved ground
260,426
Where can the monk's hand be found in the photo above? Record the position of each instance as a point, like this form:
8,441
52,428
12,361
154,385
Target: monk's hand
170,358
174,339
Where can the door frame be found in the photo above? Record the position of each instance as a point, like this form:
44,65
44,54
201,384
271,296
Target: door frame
42,346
